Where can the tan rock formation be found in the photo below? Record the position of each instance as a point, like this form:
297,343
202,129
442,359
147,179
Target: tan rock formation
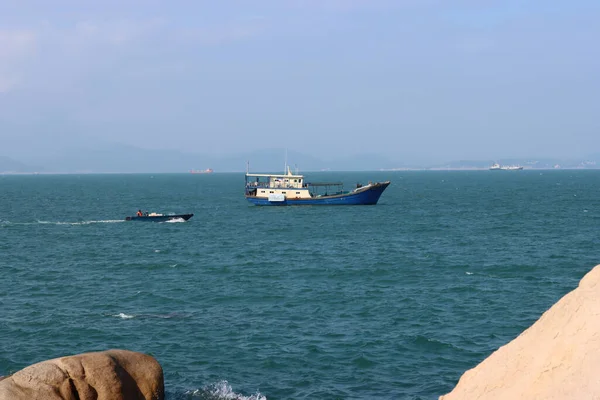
557,358
106,375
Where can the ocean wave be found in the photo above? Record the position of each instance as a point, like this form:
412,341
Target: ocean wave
433,345
124,316
158,316
219,391
363,362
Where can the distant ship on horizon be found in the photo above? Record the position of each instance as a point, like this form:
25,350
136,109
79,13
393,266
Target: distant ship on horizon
204,171
497,166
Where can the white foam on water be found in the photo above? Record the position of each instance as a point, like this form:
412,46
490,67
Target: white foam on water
469,273
106,221
17,223
173,265
174,221
124,316
157,251
222,391
171,315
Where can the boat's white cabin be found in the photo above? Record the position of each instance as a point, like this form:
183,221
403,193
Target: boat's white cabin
287,180
277,186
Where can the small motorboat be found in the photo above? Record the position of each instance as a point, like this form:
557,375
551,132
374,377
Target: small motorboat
154,217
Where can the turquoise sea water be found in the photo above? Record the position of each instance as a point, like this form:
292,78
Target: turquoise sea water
393,301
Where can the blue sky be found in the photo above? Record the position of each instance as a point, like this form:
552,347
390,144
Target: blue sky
412,80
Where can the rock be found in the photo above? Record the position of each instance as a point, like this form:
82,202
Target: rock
558,357
106,375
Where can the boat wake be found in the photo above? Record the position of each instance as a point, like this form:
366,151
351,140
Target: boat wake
107,221
219,391
173,221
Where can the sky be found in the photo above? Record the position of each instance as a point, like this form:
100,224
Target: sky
413,80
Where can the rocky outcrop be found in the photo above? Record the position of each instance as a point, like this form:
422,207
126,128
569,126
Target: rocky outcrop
106,375
557,358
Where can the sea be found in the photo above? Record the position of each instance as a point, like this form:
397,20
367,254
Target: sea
392,301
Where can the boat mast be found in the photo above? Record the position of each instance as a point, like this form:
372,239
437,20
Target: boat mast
285,165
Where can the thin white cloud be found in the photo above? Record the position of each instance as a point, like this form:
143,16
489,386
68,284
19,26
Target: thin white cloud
86,34
49,55
15,47
118,31
6,82
70,54
220,34
357,5
474,44
16,43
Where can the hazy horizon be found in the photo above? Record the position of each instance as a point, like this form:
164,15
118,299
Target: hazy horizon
420,82
124,159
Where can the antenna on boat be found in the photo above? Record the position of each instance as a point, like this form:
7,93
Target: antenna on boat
285,166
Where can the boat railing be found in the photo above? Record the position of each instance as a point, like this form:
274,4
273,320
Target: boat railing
267,185
321,189
321,184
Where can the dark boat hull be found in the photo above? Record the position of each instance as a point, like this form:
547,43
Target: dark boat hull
368,196
160,218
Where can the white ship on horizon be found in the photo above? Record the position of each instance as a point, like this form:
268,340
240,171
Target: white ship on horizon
497,166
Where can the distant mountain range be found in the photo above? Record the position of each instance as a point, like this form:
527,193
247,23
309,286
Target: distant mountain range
544,163
8,164
130,159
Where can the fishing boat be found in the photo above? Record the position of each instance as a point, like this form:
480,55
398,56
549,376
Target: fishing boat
204,171
292,190
154,217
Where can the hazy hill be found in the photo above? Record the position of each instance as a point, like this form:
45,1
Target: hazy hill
590,162
114,158
7,164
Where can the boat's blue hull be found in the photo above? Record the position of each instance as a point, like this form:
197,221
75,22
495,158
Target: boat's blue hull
369,196
160,218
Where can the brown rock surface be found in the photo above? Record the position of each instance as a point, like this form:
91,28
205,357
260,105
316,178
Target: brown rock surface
558,357
106,375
